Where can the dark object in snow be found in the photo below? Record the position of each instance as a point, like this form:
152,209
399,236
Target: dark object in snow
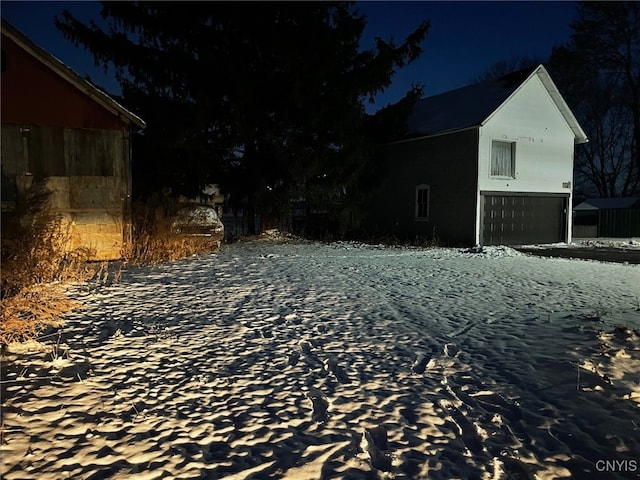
591,318
79,370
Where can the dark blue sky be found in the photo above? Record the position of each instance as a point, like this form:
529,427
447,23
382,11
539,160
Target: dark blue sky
464,40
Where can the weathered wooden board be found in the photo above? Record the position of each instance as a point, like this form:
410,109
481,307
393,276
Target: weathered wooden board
86,171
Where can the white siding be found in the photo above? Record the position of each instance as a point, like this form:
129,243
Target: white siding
544,144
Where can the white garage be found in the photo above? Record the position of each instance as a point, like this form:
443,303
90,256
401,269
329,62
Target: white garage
486,164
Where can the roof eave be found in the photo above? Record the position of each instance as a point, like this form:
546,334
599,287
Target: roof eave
579,134
432,135
580,137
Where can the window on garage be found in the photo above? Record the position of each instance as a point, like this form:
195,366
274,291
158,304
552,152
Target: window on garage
503,159
422,202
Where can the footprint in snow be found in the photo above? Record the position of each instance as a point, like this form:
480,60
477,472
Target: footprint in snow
293,358
331,365
468,432
450,349
305,346
420,363
319,404
372,442
320,328
409,414
379,437
292,319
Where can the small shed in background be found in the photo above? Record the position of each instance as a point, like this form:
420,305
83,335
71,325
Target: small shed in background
60,129
607,217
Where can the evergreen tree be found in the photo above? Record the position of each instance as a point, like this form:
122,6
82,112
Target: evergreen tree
265,98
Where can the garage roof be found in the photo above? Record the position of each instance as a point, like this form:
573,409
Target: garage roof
471,106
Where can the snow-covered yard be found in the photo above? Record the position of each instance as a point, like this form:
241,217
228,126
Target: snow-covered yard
305,361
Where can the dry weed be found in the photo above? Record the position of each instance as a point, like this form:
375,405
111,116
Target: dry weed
154,240
152,249
26,314
34,266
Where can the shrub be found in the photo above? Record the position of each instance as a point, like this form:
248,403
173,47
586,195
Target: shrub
35,262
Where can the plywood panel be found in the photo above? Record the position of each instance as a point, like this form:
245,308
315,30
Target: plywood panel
46,151
60,198
99,231
92,152
12,156
88,192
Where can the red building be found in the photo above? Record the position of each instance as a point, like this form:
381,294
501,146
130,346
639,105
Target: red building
59,129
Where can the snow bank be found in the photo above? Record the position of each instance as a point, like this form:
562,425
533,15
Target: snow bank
624,243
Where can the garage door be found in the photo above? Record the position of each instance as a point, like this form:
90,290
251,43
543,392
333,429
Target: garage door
521,220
